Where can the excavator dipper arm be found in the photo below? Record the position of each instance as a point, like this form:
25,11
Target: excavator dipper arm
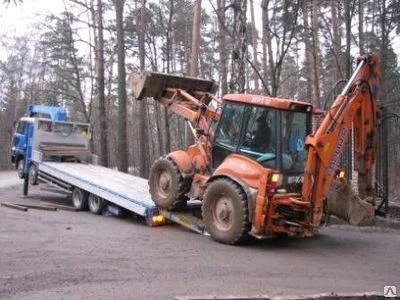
355,108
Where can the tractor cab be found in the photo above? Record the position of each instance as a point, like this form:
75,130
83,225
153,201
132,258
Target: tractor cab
271,131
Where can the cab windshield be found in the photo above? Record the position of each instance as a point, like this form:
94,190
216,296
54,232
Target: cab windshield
274,138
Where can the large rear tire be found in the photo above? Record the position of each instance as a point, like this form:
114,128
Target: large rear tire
167,186
80,199
225,211
96,204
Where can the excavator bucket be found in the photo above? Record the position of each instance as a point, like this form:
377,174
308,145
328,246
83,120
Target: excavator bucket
345,204
153,84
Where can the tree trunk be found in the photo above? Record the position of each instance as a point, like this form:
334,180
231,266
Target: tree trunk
100,87
194,60
122,98
238,72
336,41
347,21
254,43
168,55
361,26
315,53
143,136
223,55
265,28
268,41
308,57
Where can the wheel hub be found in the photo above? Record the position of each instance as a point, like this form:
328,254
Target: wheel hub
223,213
76,198
165,182
94,202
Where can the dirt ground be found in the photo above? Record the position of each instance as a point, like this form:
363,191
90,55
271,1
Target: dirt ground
77,255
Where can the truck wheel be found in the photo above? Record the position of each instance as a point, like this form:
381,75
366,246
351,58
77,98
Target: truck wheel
167,186
96,204
20,168
80,199
225,211
33,175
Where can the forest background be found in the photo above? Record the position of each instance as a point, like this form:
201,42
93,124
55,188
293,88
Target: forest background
79,54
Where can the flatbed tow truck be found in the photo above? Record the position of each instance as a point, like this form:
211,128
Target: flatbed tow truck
57,153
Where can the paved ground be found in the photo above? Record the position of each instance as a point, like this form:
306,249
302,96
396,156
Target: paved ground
77,255
9,178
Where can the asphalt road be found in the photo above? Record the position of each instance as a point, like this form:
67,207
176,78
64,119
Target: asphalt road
77,255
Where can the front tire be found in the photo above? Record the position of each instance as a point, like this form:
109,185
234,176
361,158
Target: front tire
96,204
80,199
20,168
167,186
33,175
225,211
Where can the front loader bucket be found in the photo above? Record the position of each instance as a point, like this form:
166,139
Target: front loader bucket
153,84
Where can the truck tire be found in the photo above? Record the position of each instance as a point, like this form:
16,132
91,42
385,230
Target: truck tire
167,185
33,175
225,211
80,199
20,168
96,204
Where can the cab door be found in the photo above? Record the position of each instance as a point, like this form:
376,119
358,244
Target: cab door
228,132
20,139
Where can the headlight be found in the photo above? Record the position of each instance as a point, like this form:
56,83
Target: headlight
277,178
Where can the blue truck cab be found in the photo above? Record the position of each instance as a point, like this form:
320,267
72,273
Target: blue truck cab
24,129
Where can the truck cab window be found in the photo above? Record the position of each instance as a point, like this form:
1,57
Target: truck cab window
21,127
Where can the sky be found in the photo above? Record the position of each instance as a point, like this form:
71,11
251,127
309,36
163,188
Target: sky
16,19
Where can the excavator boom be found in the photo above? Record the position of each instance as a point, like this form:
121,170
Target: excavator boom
354,109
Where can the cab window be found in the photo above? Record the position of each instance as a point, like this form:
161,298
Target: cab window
259,141
228,131
21,127
295,127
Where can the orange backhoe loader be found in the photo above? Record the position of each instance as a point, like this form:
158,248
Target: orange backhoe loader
255,164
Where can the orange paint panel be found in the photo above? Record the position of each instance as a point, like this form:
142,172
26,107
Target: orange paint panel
278,103
244,168
183,160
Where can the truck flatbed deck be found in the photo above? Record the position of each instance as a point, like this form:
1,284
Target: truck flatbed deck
121,189
125,190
